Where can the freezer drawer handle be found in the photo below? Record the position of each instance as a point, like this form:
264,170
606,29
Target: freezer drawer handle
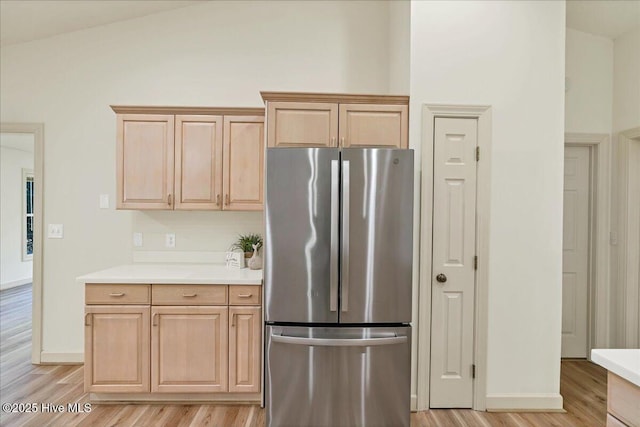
338,342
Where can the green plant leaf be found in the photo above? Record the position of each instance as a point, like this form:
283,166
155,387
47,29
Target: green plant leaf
245,242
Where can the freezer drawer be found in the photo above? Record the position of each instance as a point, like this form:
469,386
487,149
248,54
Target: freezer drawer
334,377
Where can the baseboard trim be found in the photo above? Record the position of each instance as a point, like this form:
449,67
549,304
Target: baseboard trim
414,403
525,402
49,358
176,398
15,283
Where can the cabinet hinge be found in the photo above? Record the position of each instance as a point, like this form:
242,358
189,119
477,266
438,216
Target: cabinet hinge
475,262
477,153
473,371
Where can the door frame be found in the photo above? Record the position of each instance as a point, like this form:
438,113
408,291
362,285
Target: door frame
482,113
629,248
598,297
37,130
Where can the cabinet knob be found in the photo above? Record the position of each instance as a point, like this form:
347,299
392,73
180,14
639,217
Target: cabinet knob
169,199
86,319
226,200
218,200
342,141
441,278
154,321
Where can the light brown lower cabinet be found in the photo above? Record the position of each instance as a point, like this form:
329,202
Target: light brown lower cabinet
138,347
189,349
623,399
244,349
116,342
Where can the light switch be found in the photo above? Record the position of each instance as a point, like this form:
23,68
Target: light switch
137,239
170,240
104,201
56,231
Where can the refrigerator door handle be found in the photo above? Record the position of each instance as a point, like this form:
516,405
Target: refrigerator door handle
345,235
333,279
338,342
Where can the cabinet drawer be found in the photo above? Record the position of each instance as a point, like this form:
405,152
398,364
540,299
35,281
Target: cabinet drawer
244,295
117,294
189,294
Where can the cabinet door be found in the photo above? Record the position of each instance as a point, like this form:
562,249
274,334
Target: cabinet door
144,161
243,163
300,124
244,349
198,176
189,349
116,346
365,125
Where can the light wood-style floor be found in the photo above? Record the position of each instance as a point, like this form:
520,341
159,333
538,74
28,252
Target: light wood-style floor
582,384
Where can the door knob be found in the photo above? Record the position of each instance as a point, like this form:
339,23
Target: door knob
441,278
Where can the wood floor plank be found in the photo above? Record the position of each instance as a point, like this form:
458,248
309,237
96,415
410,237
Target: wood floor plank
582,385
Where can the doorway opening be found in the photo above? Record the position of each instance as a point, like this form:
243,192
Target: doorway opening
585,282
22,163
628,233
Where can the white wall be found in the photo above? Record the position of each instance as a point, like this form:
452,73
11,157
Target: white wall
211,54
626,78
509,55
200,236
589,70
13,270
399,46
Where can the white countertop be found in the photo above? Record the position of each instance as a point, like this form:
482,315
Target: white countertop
624,363
191,274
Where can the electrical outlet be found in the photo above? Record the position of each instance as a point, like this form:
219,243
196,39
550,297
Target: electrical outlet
137,239
170,240
56,231
104,201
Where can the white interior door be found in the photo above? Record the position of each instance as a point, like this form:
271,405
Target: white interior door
575,244
453,278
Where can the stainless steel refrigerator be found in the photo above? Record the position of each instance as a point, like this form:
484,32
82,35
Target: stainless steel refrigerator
338,256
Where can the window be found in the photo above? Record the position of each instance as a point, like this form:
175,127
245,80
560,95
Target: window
27,224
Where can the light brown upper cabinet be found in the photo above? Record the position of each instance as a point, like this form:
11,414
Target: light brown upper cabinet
336,120
198,151
244,163
190,158
302,124
145,161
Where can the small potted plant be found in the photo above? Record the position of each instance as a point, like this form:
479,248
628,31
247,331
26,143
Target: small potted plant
245,243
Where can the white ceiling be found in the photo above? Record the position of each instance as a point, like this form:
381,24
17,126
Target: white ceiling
22,21
608,18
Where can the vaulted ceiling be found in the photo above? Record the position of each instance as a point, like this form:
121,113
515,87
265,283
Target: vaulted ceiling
22,21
